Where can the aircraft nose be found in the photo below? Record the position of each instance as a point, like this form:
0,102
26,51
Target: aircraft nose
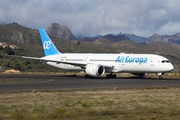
171,67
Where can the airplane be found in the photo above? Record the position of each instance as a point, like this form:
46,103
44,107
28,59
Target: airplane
97,64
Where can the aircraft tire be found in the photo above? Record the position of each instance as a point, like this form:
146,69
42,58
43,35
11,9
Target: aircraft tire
160,77
87,77
111,76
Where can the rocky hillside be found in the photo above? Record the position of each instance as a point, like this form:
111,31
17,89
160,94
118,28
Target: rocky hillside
109,37
16,32
86,39
164,38
134,38
115,38
59,31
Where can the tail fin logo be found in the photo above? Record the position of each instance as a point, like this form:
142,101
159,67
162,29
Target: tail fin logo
47,44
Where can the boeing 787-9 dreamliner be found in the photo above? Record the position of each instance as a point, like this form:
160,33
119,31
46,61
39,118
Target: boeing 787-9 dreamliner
98,64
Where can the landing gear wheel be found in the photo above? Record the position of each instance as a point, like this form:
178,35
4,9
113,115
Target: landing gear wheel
111,76
108,76
160,77
114,76
87,76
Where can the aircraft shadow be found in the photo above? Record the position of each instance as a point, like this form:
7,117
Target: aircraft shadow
135,78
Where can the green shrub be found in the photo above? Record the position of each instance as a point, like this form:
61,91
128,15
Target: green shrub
46,72
17,115
85,104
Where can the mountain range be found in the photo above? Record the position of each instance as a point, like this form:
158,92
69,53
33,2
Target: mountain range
164,38
29,40
65,33
134,38
21,34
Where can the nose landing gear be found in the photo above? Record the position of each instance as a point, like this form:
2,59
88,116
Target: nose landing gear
160,76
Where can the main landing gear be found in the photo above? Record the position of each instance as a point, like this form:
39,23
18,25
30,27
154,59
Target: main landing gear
87,76
111,75
107,76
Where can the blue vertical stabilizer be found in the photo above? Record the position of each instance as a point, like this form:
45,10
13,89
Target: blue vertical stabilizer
48,46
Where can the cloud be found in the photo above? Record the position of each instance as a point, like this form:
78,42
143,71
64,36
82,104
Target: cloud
93,17
169,28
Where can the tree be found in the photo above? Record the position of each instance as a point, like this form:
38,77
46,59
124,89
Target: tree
8,51
7,64
78,43
17,66
1,48
26,62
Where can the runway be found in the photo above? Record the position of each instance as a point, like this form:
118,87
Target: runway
26,82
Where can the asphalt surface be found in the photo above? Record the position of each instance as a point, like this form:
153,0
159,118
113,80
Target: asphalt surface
25,82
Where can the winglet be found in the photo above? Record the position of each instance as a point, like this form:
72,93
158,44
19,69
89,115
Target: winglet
48,46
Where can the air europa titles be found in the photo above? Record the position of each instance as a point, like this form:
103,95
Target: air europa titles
128,59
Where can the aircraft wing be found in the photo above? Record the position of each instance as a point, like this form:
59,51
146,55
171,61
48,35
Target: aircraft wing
83,65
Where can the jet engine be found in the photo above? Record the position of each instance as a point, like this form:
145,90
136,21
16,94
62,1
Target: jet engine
95,70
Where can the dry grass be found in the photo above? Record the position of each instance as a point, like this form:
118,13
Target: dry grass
130,104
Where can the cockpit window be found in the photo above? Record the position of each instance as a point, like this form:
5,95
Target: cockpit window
165,61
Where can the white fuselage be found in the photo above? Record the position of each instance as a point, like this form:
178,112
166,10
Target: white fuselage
133,63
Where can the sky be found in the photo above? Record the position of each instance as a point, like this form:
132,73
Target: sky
96,17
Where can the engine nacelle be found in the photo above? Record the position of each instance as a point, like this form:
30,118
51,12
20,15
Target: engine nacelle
95,70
